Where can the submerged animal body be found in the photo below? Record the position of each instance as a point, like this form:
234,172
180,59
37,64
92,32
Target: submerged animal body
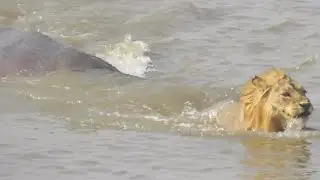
34,52
268,103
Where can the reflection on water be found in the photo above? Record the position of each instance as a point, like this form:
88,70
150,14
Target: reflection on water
276,158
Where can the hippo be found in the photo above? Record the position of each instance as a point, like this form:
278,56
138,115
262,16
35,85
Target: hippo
35,53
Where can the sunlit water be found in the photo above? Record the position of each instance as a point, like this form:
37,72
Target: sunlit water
189,57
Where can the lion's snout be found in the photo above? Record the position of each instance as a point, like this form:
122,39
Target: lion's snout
307,109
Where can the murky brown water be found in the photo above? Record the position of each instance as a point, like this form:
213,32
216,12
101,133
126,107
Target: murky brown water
192,54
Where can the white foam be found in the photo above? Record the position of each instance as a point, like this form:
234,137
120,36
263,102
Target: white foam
295,125
128,56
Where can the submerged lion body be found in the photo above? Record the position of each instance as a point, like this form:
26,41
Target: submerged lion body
267,103
34,52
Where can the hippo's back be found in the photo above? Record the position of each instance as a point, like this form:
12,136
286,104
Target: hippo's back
33,51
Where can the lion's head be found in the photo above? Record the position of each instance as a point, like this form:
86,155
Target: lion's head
270,100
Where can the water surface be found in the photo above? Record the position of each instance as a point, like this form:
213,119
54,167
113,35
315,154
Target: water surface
191,55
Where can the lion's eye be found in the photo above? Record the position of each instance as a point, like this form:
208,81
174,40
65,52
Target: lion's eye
286,94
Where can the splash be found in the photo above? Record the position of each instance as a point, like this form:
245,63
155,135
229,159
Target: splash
192,122
295,125
128,56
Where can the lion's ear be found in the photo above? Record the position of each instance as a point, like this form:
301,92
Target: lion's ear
284,76
259,83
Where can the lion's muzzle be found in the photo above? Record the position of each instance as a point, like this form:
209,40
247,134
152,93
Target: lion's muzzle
307,109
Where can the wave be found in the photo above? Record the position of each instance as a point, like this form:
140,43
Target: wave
128,56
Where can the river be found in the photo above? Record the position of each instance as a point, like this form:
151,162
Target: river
189,56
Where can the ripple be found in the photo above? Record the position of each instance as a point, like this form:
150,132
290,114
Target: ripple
286,26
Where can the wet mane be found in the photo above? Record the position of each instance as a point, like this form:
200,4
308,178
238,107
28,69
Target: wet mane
254,114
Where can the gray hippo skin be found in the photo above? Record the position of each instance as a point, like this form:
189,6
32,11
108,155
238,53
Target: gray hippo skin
37,53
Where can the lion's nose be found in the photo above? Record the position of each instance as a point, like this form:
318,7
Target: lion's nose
306,106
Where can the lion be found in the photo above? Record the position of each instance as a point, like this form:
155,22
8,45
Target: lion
268,102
